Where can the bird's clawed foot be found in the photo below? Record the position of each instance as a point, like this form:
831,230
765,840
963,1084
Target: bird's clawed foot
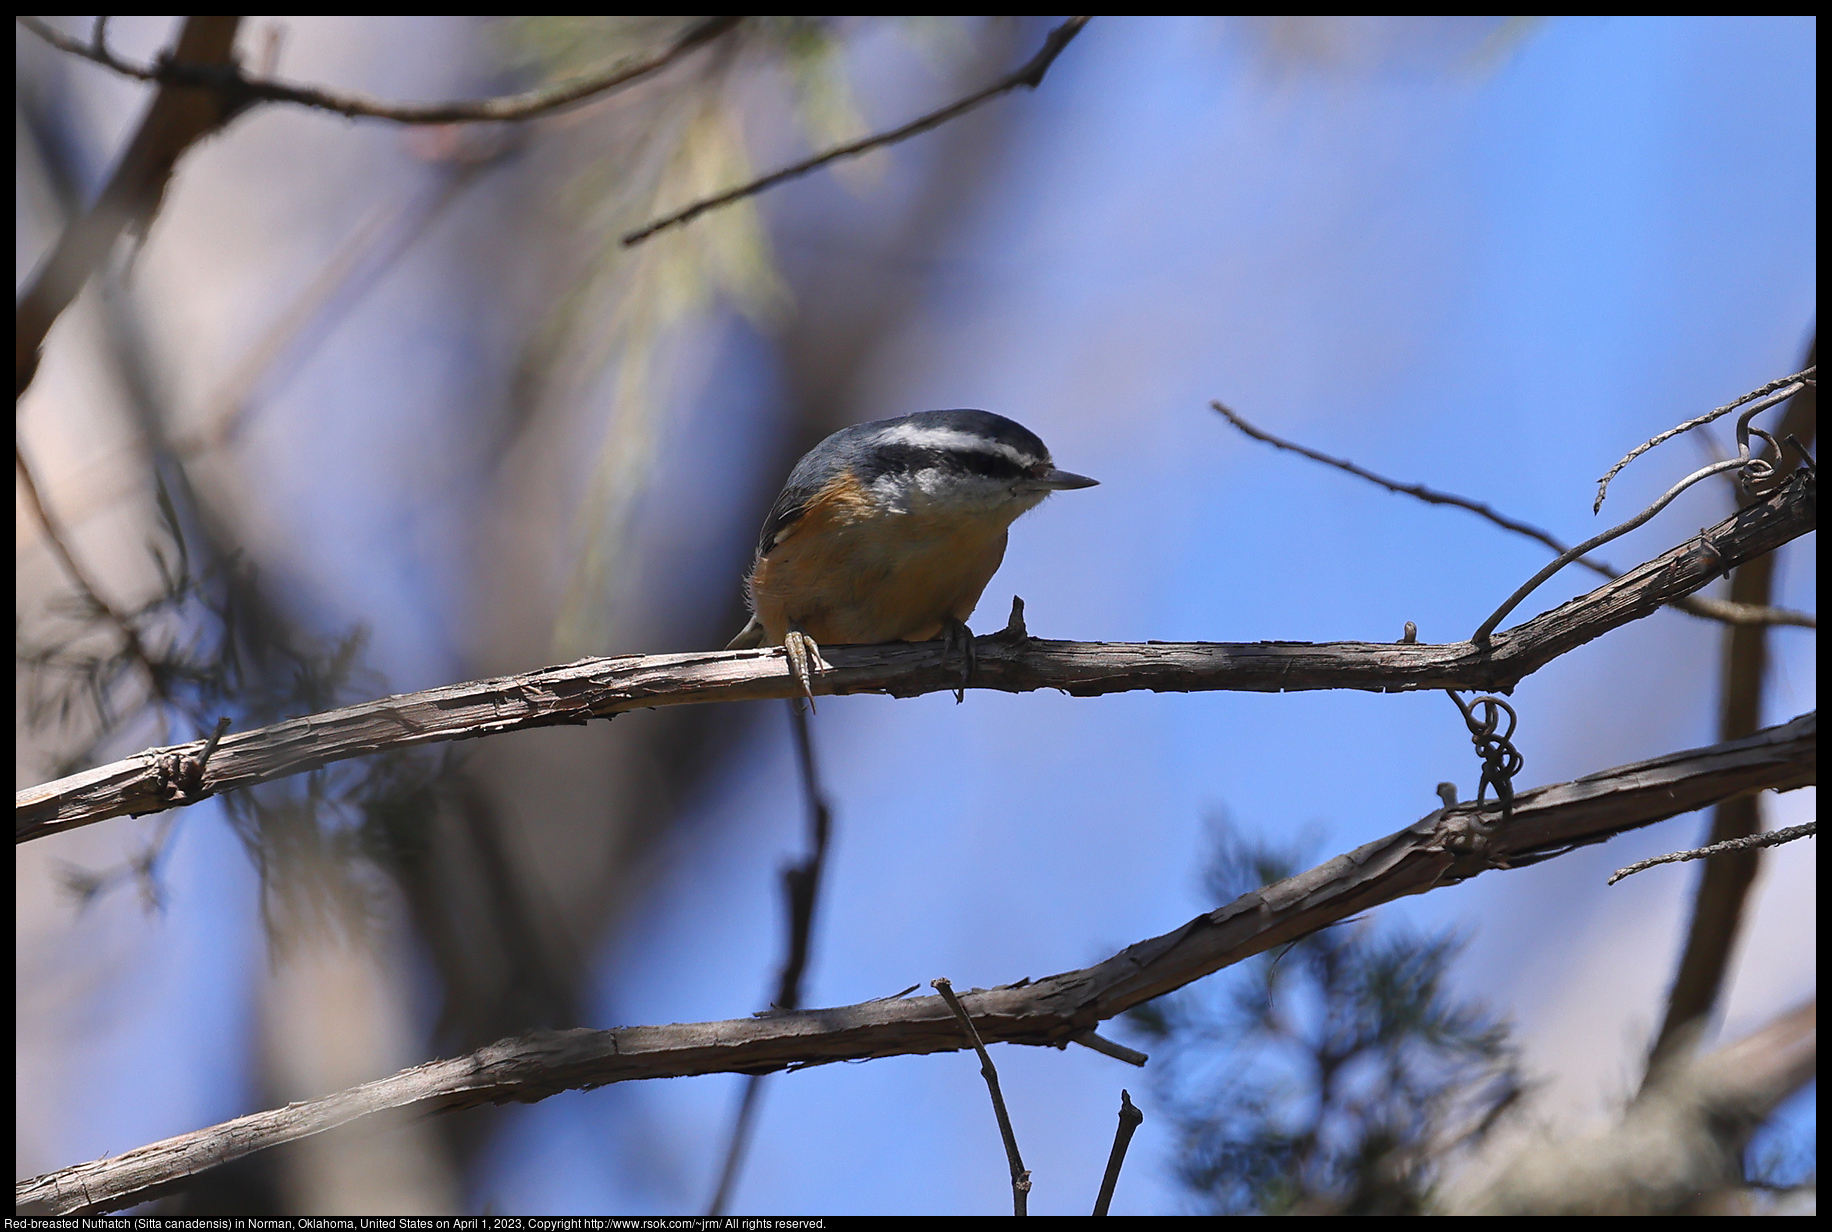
957,638
804,660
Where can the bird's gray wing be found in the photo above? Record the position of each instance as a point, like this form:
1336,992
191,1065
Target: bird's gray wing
749,638
791,503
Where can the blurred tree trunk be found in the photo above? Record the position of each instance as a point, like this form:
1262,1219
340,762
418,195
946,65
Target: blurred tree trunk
1725,883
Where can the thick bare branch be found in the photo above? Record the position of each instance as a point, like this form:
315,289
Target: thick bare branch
239,90
179,116
1446,846
596,688
1031,76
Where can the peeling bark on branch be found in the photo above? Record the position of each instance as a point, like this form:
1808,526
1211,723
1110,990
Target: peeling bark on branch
1446,846
599,688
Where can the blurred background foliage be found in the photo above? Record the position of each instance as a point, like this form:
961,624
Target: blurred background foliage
1338,1075
508,868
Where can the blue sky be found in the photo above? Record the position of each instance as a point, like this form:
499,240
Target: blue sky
1493,279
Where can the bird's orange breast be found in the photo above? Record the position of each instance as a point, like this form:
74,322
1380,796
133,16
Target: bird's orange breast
851,571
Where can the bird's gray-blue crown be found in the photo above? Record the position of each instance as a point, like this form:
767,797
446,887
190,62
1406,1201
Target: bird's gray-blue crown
976,443
962,445
939,463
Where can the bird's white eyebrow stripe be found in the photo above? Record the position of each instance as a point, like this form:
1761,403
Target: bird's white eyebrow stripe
951,438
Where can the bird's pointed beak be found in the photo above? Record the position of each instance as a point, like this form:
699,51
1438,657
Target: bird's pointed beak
1062,481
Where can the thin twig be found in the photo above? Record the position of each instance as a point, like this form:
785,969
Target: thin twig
739,1144
597,688
1694,605
1095,1042
1429,495
1020,1175
216,735
1031,75
1732,612
1775,391
193,768
1444,847
802,882
94,50
241,89
1596,541
1130,1119
1753,468
801,893
1768,838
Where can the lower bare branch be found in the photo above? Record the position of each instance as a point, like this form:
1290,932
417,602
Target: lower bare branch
1446,846
599,688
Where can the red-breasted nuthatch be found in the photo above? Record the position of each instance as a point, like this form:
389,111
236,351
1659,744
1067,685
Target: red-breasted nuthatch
889,531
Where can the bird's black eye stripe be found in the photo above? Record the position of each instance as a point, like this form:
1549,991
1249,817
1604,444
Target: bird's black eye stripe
909,459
